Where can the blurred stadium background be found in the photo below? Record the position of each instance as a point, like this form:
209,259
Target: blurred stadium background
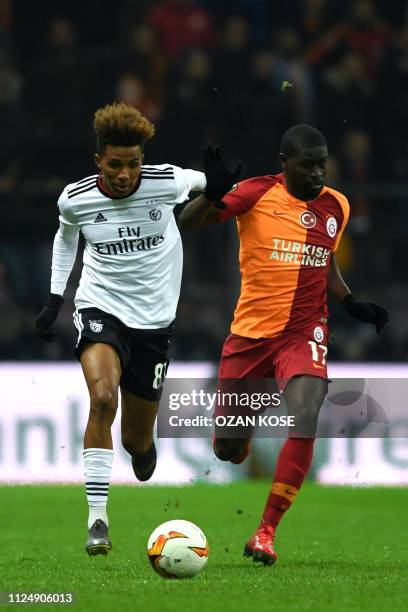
201,70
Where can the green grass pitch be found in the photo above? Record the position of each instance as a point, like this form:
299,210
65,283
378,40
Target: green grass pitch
339,549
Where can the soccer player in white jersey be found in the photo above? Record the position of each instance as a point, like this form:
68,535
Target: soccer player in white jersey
128,293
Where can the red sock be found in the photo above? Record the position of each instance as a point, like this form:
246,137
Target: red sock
292,467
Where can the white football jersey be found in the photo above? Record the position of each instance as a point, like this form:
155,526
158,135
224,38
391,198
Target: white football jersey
132,262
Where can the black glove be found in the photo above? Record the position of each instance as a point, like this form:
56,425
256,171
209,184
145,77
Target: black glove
366,311
47,317
219,179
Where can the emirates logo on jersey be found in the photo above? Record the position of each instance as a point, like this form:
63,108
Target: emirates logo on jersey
155,214
308,219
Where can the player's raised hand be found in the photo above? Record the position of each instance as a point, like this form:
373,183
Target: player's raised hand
368,312
219,178
47,317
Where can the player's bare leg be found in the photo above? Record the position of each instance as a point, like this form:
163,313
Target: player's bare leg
138,418
304,396
102,370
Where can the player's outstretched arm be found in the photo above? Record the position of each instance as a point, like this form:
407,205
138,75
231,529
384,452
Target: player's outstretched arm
200,212
368,312
63,258
205,209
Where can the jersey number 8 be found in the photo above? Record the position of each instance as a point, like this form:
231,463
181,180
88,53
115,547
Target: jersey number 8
160,371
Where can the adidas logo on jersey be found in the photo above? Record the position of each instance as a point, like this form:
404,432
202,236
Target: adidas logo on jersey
100,218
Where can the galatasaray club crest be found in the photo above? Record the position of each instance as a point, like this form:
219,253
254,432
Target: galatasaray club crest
96,326
308,219
318,334
331,226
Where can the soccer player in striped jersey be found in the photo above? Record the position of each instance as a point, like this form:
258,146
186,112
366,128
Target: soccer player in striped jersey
289,227
127,296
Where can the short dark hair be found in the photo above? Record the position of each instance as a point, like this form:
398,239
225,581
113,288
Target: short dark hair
121,125
299,137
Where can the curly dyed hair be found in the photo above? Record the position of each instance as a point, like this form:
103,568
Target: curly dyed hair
122,125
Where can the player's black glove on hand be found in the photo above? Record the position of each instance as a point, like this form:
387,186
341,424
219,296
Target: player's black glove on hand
47,317
219,179
366,311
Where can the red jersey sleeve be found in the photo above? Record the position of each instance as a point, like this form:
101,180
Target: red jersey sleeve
244,195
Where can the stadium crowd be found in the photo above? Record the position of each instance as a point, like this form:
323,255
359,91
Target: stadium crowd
237,73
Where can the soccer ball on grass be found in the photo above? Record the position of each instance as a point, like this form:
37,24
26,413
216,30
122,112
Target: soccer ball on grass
177,549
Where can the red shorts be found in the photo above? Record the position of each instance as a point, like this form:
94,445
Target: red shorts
281,357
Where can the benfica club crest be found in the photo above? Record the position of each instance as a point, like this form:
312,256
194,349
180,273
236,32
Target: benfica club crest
96,326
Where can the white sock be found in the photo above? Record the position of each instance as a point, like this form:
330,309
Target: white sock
97,471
